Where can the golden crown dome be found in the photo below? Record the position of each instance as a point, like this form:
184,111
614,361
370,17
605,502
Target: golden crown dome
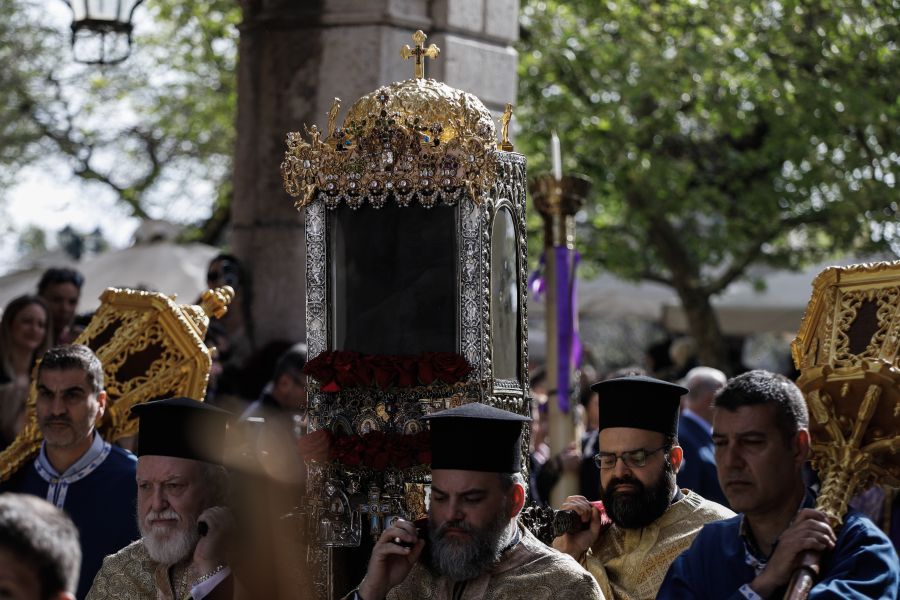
417,139
447,111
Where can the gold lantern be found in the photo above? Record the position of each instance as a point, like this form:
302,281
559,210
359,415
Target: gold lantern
150,347
848,354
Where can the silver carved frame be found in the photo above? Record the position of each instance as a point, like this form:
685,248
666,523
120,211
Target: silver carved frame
474,221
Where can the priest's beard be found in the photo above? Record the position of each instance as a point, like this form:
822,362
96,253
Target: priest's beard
169,545
639,509
464,559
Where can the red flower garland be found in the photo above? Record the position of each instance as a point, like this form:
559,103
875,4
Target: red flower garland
378,450
336,370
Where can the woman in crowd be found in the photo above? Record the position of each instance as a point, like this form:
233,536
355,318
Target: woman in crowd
24,337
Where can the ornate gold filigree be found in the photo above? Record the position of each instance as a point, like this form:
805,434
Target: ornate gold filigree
416,139
854,427
850,304
414,497
847,351
838,293
150,348
332,116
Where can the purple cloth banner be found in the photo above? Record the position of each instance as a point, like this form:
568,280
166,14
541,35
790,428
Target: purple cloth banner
568,344
576,339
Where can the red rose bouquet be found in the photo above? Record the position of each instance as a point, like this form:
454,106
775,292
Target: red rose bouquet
378,450
336,370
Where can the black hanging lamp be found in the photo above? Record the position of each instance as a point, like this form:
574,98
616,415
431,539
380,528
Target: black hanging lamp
101,30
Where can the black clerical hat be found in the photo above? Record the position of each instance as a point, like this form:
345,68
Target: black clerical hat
640,402
476,437
183,428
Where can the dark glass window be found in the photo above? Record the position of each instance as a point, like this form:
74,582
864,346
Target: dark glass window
393,279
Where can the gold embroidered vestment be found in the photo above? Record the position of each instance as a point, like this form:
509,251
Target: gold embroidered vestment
130,574
630,564
528,570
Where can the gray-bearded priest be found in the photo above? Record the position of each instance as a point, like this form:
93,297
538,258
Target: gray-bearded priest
476,548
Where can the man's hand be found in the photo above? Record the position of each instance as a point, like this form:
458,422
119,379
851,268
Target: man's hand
210,550
809,531
576,544
390,562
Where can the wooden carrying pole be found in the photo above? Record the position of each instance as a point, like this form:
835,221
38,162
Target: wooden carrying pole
848,354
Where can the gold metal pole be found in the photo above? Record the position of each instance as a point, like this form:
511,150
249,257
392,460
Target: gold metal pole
557,201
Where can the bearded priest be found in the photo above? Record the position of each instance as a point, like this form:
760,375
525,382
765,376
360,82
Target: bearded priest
475,548
182,487
653,521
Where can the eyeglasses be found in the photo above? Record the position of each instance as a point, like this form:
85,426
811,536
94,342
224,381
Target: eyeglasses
633,459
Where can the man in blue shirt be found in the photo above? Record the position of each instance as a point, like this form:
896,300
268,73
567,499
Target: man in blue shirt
698,469
761,434
76,470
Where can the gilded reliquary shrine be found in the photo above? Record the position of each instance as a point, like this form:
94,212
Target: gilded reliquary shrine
416,278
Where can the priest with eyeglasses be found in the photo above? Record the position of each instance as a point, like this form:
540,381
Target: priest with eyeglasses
653,521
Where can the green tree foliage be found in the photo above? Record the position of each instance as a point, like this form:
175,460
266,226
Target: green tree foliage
154,129
718,135
26,50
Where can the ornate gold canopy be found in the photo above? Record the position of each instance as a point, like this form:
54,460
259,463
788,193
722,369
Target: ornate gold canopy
415,139
150,347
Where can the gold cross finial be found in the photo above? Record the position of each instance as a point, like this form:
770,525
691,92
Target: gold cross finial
420,52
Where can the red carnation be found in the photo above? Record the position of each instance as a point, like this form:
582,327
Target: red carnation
331,386
426,371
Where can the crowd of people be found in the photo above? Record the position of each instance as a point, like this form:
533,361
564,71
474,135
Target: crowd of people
694,488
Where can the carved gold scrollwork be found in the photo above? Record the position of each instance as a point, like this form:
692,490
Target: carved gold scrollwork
885,301
150,348
847,349
415,139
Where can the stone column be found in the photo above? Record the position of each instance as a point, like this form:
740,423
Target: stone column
294,58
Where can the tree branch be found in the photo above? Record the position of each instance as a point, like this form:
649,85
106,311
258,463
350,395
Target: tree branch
66,140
